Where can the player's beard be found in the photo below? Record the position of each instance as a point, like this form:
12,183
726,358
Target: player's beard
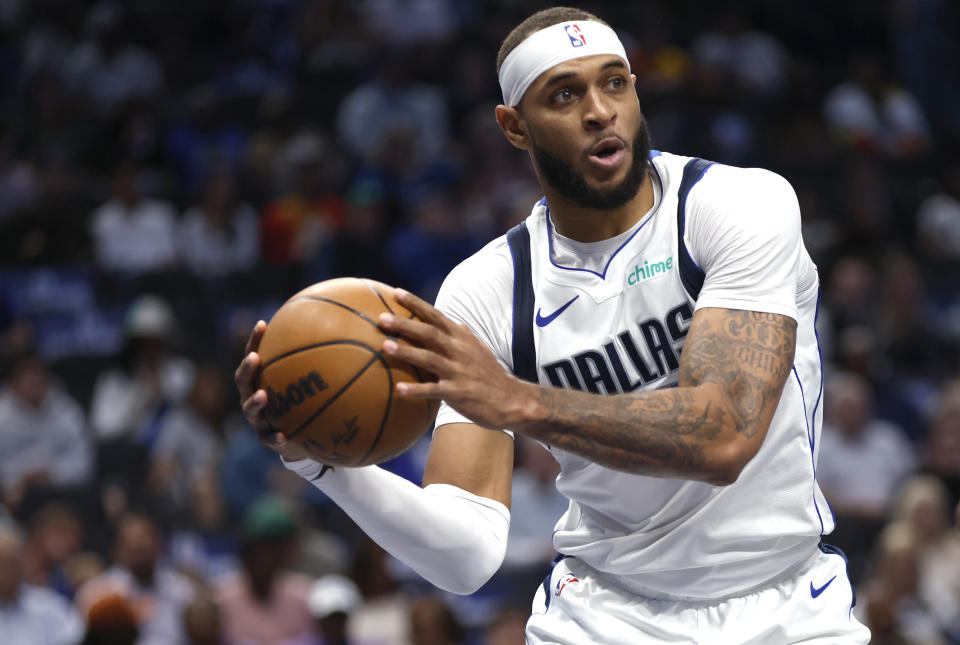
573,185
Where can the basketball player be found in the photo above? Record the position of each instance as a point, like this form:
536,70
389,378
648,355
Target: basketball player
694,512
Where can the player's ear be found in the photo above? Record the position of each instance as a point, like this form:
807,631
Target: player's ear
511,122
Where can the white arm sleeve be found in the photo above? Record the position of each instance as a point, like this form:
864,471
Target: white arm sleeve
454,539
744,233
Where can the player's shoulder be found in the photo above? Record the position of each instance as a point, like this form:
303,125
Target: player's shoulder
487,274
720,181
736,185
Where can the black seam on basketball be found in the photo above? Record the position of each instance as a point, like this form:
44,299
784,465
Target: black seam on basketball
314,346
340,304
335,396
386,411
379,295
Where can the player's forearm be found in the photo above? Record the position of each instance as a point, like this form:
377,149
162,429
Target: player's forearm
674,432
452,538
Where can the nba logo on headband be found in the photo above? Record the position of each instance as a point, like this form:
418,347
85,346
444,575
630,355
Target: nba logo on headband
576,36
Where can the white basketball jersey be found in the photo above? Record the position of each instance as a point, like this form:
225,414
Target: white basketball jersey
611,317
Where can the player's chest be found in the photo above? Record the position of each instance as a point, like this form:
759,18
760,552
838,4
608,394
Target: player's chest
617,333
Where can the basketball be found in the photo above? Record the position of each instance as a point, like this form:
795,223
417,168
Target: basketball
329,385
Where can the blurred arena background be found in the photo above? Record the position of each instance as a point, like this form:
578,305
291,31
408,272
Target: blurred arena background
171,172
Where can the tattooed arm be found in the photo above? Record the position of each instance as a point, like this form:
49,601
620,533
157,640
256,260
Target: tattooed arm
732,371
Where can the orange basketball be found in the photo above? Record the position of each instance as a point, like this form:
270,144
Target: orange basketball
329,385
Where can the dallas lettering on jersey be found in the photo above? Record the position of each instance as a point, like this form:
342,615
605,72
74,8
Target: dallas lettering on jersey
603,370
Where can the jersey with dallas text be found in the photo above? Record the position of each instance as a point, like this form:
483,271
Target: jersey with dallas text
611,317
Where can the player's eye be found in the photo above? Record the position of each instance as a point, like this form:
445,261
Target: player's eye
617,83
563,96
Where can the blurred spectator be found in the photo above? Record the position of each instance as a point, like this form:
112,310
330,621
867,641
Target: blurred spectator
112,620
924,506
536,505
938,217
852,293
131,401
107,69
131,234
56,537
870,112
203,622
888,602
43,442
299,226
862,461
157,594
28,614
333,598
394,107
83,567
942,450
220,235
204,545
915,345
507,628
756,60
384,616
264,604
19,184
189,442
432,623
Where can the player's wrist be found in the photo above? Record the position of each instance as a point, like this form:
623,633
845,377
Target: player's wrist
525,408
307,468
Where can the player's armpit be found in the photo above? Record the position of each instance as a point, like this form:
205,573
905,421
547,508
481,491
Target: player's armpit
473,458
747,356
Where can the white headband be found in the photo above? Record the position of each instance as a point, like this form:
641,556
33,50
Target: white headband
551,46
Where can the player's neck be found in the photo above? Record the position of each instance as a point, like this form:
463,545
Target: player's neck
592,225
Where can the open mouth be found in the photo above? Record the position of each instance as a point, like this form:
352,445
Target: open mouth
606,151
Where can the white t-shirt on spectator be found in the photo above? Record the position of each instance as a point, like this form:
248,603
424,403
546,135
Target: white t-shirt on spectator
137,240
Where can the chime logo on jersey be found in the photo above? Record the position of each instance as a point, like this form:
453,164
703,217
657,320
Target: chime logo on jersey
645,270
576,36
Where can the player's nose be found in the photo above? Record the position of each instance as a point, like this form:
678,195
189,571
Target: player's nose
599,112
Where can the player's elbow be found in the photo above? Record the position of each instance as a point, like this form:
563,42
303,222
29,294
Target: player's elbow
476,569
729,460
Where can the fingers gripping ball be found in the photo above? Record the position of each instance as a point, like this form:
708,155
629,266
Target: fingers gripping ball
329,385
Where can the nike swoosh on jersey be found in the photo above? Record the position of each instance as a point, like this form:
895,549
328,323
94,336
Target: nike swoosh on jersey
543,321
816,591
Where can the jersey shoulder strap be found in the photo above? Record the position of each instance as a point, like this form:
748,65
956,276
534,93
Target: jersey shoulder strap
690,274
523,348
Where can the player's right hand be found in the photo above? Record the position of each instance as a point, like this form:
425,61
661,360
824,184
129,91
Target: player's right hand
254,400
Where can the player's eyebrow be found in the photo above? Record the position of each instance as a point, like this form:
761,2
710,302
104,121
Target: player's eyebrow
562,76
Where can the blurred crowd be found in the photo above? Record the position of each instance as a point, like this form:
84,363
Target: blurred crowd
171,172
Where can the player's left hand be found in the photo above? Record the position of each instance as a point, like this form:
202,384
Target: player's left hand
469,377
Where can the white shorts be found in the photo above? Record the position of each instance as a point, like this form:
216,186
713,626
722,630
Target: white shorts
578,605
